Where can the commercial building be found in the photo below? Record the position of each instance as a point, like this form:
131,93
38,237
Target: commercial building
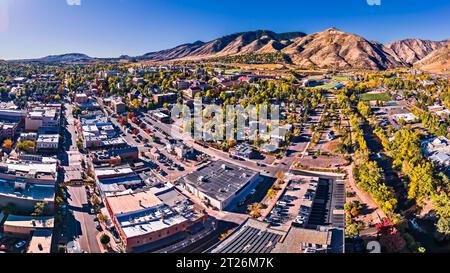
8,130
151,219
160,99
99,132
118,106
117,179
10,112
115,156
24,226
300,240
252,236
28,136
159,116
43,119
47,142
221,184
26,183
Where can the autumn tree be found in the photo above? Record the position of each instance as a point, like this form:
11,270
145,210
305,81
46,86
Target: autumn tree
7,144
254,210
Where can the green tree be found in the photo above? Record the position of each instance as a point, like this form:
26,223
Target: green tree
443,228
28,146
39,208
421,183
105,239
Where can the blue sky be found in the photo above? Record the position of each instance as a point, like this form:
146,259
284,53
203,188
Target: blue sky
110,28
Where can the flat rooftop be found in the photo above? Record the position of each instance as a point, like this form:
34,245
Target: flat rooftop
150,223
297,236
154,209
48,138
25,167
35,192
220,179
132,202
41,242
30,222
116,171
251,237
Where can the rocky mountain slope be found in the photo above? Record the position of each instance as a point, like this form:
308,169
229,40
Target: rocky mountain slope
437,61
334,48
414,50
261,41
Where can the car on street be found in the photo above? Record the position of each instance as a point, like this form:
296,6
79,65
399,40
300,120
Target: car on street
99,227
20,244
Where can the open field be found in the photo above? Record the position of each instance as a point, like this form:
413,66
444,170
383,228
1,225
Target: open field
375,96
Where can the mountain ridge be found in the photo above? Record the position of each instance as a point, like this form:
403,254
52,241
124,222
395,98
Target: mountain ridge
331,48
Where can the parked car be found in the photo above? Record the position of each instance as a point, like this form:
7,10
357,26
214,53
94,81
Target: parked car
99,227
310,250
298,223
20,244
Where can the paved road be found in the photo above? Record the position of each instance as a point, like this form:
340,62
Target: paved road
80,224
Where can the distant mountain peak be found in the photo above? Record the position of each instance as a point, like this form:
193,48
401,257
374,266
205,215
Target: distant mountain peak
333,29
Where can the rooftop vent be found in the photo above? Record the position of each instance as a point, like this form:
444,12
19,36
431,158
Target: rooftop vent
201,179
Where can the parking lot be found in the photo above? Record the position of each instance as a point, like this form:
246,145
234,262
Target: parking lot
12,244
295,205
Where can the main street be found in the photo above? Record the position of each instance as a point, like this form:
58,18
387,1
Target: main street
80,225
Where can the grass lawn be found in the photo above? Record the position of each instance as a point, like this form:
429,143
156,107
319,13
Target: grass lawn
375,96
326,86
340,78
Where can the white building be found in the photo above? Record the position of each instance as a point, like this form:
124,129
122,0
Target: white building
438,150
47,142
408,117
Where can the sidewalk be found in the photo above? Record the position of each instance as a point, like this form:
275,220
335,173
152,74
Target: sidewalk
365,197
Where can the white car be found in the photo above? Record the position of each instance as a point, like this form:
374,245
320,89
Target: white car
298,222
20,244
